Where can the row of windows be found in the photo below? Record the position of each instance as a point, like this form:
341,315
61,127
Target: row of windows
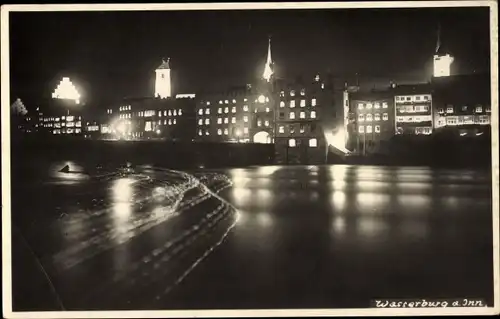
302,103
376,105
219,110
312,142
291,129
67,131
170,122
423,130
219,120
459,120
109,111
125,108
302,115
369,129
93,128
413,108
302,91
227,101
451,109
414,119
373,117
69,118
413,98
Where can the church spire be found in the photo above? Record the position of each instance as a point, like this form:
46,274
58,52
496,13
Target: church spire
268,71
438,42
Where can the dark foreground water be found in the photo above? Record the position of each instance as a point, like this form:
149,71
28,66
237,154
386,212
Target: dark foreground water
263,237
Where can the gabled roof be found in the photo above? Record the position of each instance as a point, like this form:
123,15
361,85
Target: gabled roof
165,65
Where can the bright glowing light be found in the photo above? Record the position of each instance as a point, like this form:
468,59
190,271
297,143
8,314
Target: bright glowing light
158,132
338,140
442,65
264,219
339,224
338,200
268,170
371,202
480,133
262,137
238,133
121,127
66,91
122,190
261,99
268,71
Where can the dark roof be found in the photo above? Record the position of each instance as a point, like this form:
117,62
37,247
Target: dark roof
165,65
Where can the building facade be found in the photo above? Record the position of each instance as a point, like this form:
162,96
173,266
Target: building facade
372,121
413,109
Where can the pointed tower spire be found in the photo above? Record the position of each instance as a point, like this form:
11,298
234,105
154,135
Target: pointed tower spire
268,71
438,42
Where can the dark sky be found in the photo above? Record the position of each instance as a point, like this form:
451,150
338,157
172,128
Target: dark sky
110,55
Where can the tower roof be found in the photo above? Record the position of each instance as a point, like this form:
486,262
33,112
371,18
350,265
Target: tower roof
164,65
268,70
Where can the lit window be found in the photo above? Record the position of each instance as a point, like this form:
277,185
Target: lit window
377,117
449,109
292,104
226,110
219,132
291,142
164,113
361,118
282,103
226,132
234,101
169,113
219,120
245,130
369,117
385,116
302,103
219,110
302,128
207,132
368,106
479,109
464,108
259,123
384,105
207,121
322,85
303,92
292,115
368,129
292,93
377,128
226,102
200,112
159,114
175,121
208,102
313,102
266,123
282,93
360,106
377,105
165,122
267,110
245,99
226,120
233,109
313,114
245,118
233,120
281,129
169,122
175,113
313,142
207,111
220,101
245,108
361,129
200,122
302,115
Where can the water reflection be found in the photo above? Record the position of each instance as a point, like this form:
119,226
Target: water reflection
414,201
339,225
338,201
372,201
372,228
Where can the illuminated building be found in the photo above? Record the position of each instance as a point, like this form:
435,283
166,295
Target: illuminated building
59,117
372,121
413,109
163,85
462,103
268,68
151,118
300,107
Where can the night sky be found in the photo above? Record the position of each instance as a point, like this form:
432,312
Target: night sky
111,55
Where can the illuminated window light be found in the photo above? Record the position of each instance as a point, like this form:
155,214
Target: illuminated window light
226,132
245,108
207,132
368,129
377,105
245,130
266,123
313,102
261,99
369,106
200,122
302,128
313,114
207,111
226,120
292,104
220,102
377,128
292,115
226,110
245,118
313,142
361,118
385,116
207,121
291,142
282,103
219,120
219,132
233,109
302,103
303,92
267,110
233,120
219,110
302,115
169,122
384,105
175,113
234,101
208,102
449,109
360,106
259,123
479,109
165,122
369,117
200,132
361,129
281,129
226,102
292,93
377,117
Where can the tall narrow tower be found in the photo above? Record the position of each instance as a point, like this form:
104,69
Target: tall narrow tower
268,69
442,60
163,86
